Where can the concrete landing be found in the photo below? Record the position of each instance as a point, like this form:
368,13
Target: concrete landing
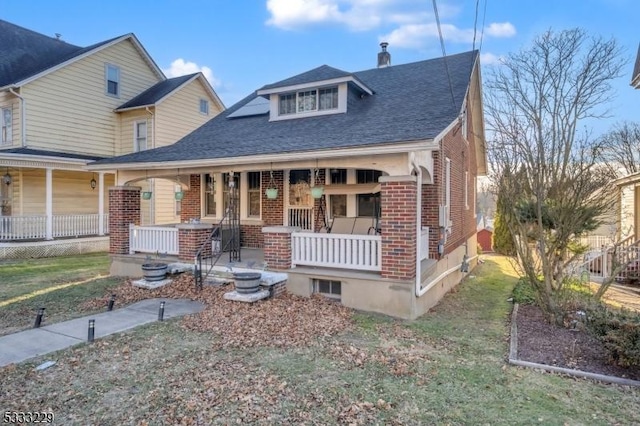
247,298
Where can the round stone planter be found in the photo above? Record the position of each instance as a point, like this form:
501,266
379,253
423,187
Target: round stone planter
156,271
247,282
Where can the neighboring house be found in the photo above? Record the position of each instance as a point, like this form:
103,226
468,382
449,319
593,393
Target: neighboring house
360,185
64,106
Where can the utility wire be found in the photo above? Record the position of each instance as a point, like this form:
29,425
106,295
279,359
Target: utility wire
484,16
444,54
475,26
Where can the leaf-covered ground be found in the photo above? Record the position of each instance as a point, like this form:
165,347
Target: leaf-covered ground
292,360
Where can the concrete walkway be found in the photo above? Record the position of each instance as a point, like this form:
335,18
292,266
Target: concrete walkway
31,343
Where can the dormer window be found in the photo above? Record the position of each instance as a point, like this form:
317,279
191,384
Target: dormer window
308,101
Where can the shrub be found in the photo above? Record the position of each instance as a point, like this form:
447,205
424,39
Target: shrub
524,293
620,333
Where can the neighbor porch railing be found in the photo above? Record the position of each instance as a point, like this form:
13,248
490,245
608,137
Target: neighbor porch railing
625,257
153,239
597,241
361,252
14,228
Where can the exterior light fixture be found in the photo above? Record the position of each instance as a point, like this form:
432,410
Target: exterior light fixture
7,179
93,182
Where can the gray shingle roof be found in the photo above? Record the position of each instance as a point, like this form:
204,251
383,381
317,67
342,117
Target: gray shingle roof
323,72
25,53
156,92
411,102
43,153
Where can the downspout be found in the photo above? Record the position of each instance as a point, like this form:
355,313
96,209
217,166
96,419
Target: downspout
23,118
152,205
418,172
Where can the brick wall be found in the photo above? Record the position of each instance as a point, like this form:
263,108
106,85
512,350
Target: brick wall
124,209
398,223
251,236
463,159
191,200
273,210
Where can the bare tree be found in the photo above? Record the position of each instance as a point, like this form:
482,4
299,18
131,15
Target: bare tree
544,169
620,147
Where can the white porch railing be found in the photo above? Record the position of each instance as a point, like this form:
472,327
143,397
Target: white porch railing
15,228
596,241
599,263
153,239
301,217
362,252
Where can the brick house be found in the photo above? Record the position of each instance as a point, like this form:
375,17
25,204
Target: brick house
359,185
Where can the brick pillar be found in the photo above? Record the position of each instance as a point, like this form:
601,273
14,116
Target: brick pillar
124,209
191,207
398,223
277,246
191,236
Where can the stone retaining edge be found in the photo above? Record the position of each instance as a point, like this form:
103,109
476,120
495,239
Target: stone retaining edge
513,360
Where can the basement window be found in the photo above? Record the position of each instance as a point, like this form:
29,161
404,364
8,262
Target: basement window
328,288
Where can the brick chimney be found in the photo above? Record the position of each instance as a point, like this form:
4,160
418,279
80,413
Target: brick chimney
384,57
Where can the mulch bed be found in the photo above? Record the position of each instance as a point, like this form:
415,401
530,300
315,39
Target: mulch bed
544,343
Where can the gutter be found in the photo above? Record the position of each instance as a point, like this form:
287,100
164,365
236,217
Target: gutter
23,118
416,168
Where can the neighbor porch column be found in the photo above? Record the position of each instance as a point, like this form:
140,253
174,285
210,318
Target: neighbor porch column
101,203
277,246
124,209
398,225
49,204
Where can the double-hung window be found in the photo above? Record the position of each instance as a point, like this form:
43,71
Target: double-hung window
306,101
253,194
112,74
204,106
140,136
6,118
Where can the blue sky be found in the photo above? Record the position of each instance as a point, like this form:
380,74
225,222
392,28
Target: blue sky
242,45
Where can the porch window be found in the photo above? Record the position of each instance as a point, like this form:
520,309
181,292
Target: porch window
7,118
368,204
307,101
112,77
328,98
367,176
329,288
140,132
338,176
299,188
209,195
226,191
253,194
338,205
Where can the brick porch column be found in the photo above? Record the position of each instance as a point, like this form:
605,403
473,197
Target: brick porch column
190,204
124,209
191,236
277,246
398,223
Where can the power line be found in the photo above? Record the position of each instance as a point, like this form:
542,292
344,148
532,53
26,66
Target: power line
484,16
444,53
475,26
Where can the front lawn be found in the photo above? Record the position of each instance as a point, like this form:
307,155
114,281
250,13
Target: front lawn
447,367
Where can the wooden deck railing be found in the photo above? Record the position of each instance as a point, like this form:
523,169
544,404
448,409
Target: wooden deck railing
361,252
153,239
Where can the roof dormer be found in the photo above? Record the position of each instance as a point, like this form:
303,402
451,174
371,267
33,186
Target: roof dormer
321,91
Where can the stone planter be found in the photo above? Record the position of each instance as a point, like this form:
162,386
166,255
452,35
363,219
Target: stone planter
154,271
247,282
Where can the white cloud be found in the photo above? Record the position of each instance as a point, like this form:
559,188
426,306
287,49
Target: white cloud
490,59
181,67
501,29
289,14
